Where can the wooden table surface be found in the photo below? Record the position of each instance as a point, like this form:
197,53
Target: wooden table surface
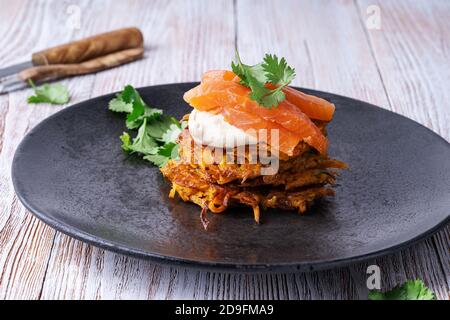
402,66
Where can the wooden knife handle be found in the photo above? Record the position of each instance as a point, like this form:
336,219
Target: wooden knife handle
51,72
89,48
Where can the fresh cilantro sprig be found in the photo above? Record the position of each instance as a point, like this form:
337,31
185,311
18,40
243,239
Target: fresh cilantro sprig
156,133
137,110
49,93
270,71
410,290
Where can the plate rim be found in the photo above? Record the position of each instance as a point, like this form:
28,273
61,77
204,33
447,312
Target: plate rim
117,247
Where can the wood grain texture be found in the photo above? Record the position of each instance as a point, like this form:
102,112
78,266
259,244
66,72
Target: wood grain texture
400,67
411,51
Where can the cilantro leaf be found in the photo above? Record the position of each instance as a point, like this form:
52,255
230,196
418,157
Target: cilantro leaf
172,133
130,101
410,290
169,150
134,119
157,133
252,77
256,77
143,143
119,105
51,93
273,99
157,160
249,75
277,72
126,141
165,153
158,127
239,69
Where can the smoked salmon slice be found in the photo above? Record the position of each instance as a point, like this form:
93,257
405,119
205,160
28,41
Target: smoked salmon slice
262,129
226,75
314,107
214,94
232,100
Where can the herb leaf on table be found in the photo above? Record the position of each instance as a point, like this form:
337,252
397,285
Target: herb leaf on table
410,290
55,93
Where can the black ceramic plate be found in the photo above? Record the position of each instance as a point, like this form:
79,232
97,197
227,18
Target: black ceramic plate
71,173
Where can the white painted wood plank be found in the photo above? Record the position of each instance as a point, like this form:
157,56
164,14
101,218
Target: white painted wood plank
328,44
178,35
412,53
324,40
411,50
25,243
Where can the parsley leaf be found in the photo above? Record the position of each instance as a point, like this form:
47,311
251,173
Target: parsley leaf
410,290
256,77
157,133
51,93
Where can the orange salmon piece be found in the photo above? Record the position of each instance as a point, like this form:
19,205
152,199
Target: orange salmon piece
233,101
314,107
251,123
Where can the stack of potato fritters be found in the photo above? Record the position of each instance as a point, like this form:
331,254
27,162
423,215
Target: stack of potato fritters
216,181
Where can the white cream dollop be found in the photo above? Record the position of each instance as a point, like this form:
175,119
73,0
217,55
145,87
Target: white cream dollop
212,130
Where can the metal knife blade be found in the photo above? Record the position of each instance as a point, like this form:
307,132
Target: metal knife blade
9,77
15,68
11,83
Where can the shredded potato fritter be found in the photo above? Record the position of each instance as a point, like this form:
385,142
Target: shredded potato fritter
216,185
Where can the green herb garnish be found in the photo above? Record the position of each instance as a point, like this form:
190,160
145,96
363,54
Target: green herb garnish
130,101
410,290
270,71
165,153
156,133
49,93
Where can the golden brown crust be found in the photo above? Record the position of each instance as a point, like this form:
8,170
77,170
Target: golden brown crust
190,186
214,167
204,176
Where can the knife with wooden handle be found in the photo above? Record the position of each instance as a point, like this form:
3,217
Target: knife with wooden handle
55,71
84,56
